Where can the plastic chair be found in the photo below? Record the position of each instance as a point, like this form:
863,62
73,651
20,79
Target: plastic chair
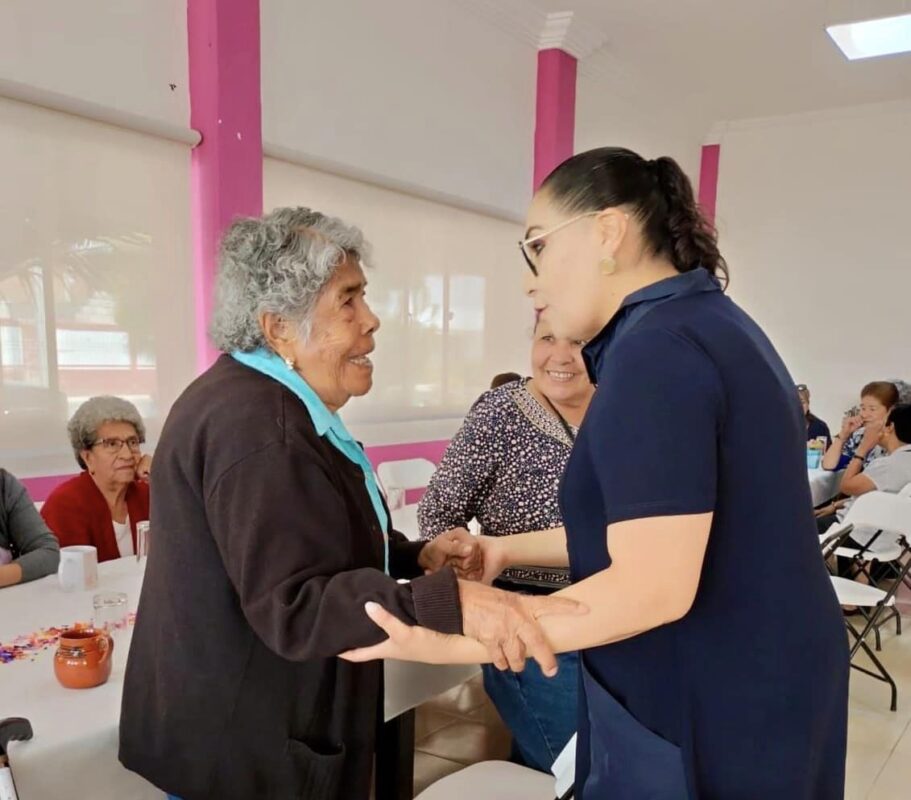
503,780
410,473
882,528
881,524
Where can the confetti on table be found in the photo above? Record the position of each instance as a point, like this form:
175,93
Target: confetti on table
28,646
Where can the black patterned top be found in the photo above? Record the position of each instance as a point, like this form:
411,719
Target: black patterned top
502,468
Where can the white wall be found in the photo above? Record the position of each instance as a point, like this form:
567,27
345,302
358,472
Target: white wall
446,284
123,54
422,93
814,212
613,112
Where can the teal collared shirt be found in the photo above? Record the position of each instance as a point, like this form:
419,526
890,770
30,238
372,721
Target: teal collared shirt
327,424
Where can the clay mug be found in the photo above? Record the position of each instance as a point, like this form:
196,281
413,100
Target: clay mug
83,658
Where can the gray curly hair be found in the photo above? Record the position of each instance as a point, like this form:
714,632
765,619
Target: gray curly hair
92,414
277,263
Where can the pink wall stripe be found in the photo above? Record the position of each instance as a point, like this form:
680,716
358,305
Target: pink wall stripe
227,166
708,180
40,487
555,111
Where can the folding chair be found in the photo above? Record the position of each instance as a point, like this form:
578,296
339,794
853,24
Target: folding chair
503,780
407,474
884,519
882,525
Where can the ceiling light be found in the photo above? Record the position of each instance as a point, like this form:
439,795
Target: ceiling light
873,37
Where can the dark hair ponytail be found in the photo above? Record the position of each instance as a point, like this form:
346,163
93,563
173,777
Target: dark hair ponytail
659,194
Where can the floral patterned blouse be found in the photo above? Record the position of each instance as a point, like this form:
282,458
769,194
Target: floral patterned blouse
503,468
849,448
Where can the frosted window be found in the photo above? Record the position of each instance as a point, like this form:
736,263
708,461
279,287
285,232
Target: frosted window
95,281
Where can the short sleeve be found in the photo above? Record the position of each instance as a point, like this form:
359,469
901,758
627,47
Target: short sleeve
886,475
654,427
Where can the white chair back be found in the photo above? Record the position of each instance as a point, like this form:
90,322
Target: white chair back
411,473
880,511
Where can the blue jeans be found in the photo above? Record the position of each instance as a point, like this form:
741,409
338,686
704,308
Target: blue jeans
541,712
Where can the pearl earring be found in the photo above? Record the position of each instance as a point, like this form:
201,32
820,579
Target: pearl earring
289,362
608,265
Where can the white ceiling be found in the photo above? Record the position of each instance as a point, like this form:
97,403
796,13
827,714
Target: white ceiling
736,59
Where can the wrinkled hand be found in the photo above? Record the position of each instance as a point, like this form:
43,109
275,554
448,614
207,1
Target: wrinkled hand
144,468
506,623
405,642
850,424
456,548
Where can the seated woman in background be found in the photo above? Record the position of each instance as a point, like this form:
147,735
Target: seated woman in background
503,468
889,473
28,550
101,506
816,428
876,400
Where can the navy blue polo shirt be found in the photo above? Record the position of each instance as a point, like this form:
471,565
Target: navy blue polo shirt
695,412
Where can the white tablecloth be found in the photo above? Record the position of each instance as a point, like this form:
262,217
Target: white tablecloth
823,485
75,743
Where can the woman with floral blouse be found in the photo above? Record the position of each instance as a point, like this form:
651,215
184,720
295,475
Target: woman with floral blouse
503,469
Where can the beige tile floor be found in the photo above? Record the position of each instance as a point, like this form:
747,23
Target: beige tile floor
462,727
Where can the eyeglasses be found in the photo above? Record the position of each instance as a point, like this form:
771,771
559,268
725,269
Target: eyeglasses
531,253
115,445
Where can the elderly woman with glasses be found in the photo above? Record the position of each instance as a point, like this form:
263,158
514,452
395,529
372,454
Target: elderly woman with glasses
102,504
270,535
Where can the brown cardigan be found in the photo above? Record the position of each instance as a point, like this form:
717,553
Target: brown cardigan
265,548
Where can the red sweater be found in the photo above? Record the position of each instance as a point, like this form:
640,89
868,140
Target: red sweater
77,513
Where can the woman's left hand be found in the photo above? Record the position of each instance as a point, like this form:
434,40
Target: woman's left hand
405,642
144,468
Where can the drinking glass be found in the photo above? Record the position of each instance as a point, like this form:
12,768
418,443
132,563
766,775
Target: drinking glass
111,614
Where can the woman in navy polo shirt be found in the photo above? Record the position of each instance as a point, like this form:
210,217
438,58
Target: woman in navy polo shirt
697,682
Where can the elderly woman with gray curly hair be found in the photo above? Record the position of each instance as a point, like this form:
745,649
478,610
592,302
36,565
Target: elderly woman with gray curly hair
101,505
270,535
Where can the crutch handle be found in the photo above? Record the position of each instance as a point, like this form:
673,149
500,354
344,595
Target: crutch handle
14,729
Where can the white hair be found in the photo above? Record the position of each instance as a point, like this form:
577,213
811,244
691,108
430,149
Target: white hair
92,414
278,263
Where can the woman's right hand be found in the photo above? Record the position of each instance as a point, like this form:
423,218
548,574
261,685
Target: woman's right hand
494,558
506,623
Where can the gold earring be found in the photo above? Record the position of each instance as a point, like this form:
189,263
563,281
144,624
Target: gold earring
289,362
608,265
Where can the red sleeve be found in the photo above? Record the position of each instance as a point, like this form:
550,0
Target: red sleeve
61,512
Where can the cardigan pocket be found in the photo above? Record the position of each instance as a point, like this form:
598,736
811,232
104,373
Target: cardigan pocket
628,761
317,770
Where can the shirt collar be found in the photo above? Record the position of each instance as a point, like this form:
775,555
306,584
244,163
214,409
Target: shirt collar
268,363
696,281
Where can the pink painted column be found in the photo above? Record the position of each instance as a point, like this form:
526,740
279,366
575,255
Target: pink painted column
708,180
227,165
555,111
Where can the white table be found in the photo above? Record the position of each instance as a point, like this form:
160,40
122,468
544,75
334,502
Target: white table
823,485
75,743
76,731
